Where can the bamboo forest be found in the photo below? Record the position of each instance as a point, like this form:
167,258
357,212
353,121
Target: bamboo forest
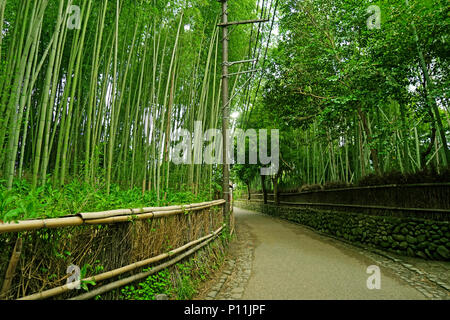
113,104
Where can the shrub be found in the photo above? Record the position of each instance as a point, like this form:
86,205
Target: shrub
23,202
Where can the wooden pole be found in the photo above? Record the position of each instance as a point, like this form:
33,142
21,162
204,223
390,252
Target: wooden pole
226,103
225,114
10,272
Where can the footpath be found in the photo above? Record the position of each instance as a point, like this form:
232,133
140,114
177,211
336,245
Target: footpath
273,259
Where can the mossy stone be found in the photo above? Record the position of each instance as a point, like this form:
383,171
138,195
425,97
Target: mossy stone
410,252
384,244
443,252
421,255
411,239
398,237
421,238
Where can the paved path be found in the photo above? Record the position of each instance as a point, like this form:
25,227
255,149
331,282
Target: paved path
273,259
292,262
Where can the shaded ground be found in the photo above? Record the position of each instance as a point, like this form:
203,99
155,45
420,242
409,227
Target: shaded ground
273,259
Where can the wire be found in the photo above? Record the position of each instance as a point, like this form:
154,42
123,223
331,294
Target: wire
248,91
264,60
251,56
246,118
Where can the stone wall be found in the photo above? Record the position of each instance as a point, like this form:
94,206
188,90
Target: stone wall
427,239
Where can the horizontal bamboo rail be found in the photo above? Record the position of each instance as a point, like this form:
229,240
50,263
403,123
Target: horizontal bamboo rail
312,204
385,186
365,207
121,212
113,273
104,217
149,215
415,185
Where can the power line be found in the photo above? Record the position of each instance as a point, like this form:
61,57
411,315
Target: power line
250,55
248,97
264,60
248,91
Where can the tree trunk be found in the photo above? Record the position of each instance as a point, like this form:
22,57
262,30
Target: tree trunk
264,190
373,150
275,190
431,101
423,156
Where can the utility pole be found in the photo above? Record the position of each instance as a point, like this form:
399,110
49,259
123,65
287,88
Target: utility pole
225,115
226,102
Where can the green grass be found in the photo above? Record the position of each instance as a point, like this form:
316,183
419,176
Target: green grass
22,202
153,285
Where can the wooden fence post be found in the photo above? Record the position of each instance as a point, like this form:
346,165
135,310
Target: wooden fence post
10,272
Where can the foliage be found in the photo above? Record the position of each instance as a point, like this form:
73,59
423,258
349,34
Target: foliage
187,284
24,202
427,175
352,101
104,101
153,285
179,282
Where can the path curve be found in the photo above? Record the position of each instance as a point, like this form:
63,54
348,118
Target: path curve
292,262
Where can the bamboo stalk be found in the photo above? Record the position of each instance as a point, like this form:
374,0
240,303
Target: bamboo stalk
113,105
119,212
148,215
52,223
11,268
109,274
27,225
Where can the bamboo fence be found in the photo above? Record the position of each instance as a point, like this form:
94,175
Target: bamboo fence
385,186
336,205
104,217
113,217
142,275
113,273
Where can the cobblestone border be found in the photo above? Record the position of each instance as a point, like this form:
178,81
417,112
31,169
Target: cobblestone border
232,280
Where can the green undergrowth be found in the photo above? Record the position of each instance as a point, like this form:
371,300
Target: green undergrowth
153,285
181,281
24,202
